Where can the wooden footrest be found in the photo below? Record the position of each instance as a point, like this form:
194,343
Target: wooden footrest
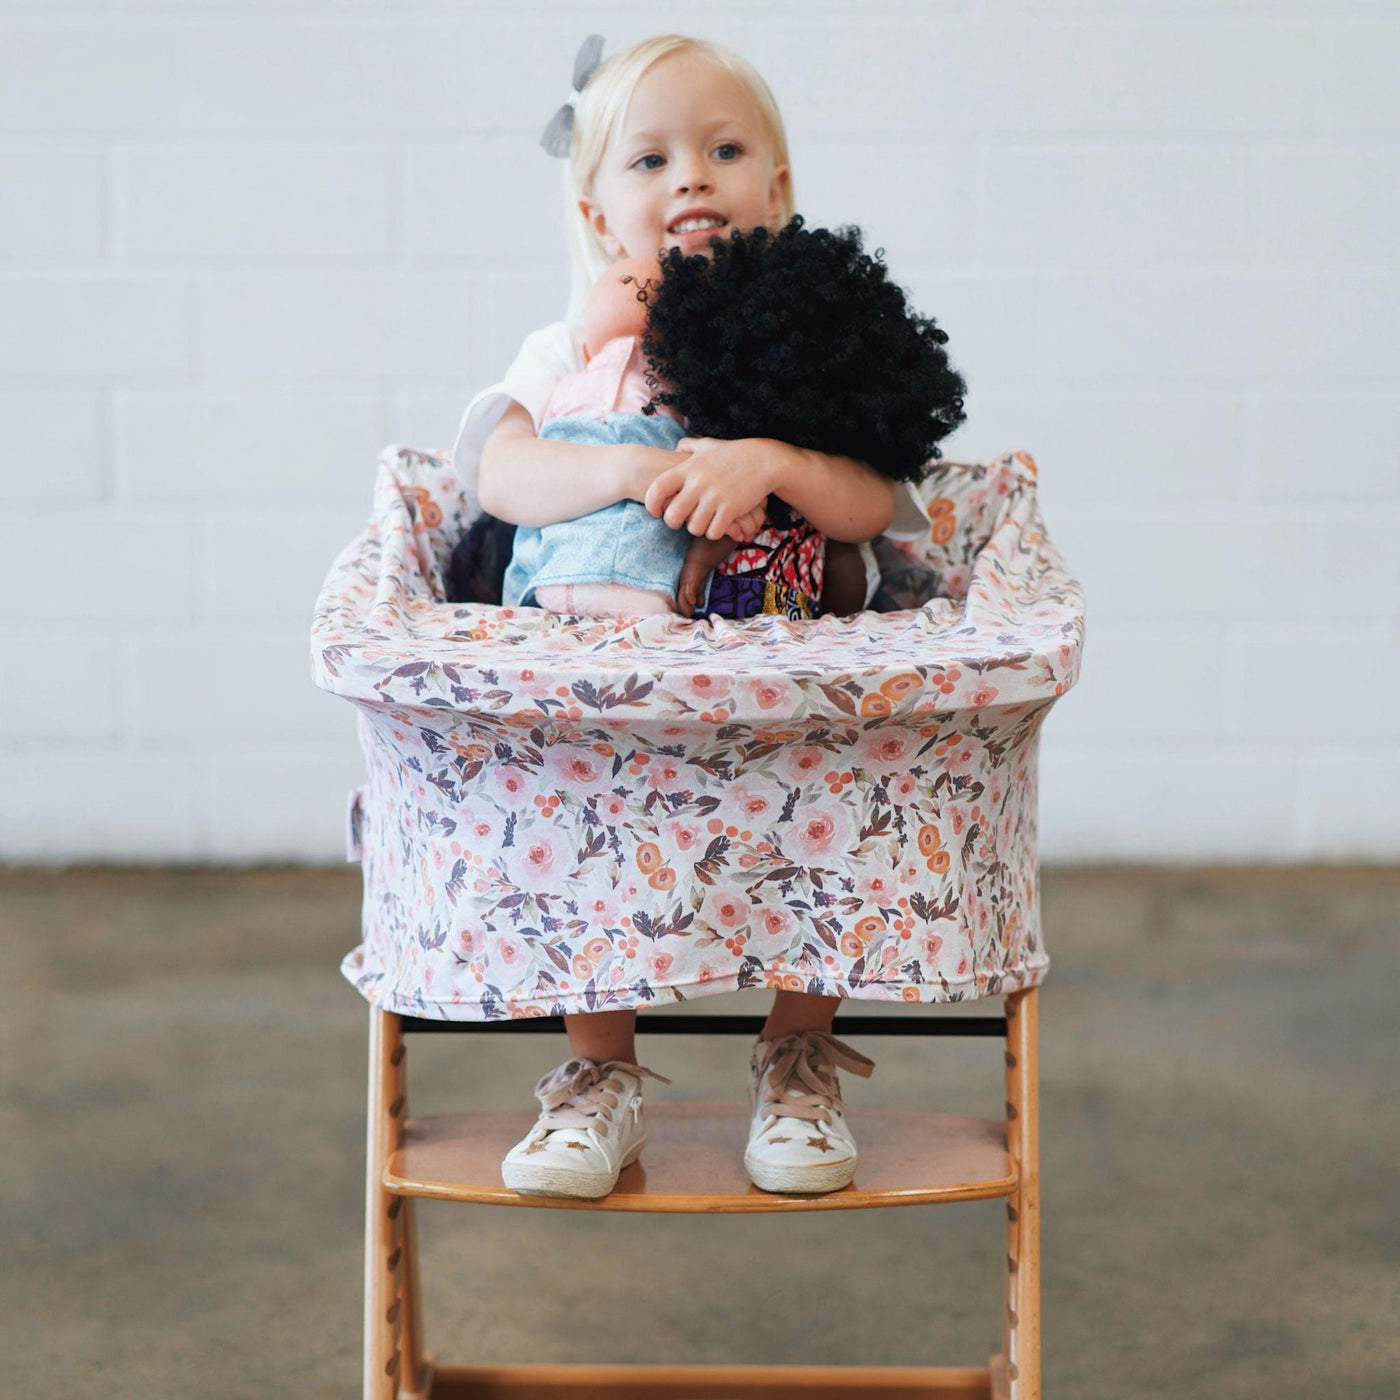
544,1382
693,1161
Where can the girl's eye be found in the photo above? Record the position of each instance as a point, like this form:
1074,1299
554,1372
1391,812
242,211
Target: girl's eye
650,157
728,146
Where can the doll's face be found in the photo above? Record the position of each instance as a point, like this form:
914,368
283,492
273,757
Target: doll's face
691,139
612,309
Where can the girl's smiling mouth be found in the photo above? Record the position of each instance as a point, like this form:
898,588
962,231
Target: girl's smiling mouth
696,225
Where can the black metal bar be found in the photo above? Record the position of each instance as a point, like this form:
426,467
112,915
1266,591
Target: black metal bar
750,1025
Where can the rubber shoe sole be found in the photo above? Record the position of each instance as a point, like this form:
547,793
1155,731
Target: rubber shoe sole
526,1179
818,1178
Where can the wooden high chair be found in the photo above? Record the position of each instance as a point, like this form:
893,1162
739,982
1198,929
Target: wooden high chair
693,1162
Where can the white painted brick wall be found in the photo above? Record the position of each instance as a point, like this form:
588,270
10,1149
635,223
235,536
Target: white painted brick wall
245,243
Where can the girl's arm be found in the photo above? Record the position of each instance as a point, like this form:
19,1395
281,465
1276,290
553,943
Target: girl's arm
529,480
844,498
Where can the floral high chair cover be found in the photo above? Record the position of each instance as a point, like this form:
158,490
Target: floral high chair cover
569,814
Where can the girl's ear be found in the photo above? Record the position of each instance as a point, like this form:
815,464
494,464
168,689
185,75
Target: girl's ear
777,194
598,221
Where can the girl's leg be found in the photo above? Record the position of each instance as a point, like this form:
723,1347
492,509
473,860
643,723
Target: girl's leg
603,1035
799,1011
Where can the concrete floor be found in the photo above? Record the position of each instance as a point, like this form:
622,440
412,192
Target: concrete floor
183,1118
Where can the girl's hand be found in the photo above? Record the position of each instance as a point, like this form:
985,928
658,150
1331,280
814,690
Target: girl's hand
723,480
749,524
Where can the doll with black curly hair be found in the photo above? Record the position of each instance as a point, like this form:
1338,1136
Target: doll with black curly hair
802,337
797,336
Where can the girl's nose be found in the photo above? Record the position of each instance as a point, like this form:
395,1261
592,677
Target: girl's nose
693,180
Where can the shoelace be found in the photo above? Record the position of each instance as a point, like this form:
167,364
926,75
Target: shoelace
808,1057
577,1094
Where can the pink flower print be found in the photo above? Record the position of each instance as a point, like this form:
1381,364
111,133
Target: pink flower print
818,835
957,819
955,579
981,695
659,963
879,888
666,774
776,923
958,759
611,808
510,951
468,941
932,946
481,828
707,686
885,750
577,769
511,785
683,842
772,693
807,762
726,909
748,804
902,788
539,859
601,908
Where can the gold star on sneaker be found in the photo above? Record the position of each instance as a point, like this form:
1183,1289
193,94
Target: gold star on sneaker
820,1142
582,1146
534,1147
779,1139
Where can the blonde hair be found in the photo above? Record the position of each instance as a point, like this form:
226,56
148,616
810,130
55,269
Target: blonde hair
601,108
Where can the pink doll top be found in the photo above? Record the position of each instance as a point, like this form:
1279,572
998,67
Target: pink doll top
613,381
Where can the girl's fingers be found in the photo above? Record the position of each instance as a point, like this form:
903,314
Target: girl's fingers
681,506
663,487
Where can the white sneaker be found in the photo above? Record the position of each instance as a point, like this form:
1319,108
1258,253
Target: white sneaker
799,1139
590,1128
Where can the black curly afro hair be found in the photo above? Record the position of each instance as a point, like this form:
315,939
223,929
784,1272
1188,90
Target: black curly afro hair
800,336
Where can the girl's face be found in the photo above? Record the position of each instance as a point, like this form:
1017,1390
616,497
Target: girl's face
692,140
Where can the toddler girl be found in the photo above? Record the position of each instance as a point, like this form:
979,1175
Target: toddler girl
670,142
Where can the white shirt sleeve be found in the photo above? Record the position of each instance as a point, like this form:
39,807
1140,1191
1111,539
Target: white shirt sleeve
910,517
543,360
872,571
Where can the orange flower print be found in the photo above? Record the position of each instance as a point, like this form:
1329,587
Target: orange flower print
942,516
648,857
875,704
429,512
929,841
868,927
663,879
905,683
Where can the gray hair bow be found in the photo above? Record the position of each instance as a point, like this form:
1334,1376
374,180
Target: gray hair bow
560,132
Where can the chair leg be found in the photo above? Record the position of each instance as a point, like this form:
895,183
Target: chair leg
393,1335
1021,1318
